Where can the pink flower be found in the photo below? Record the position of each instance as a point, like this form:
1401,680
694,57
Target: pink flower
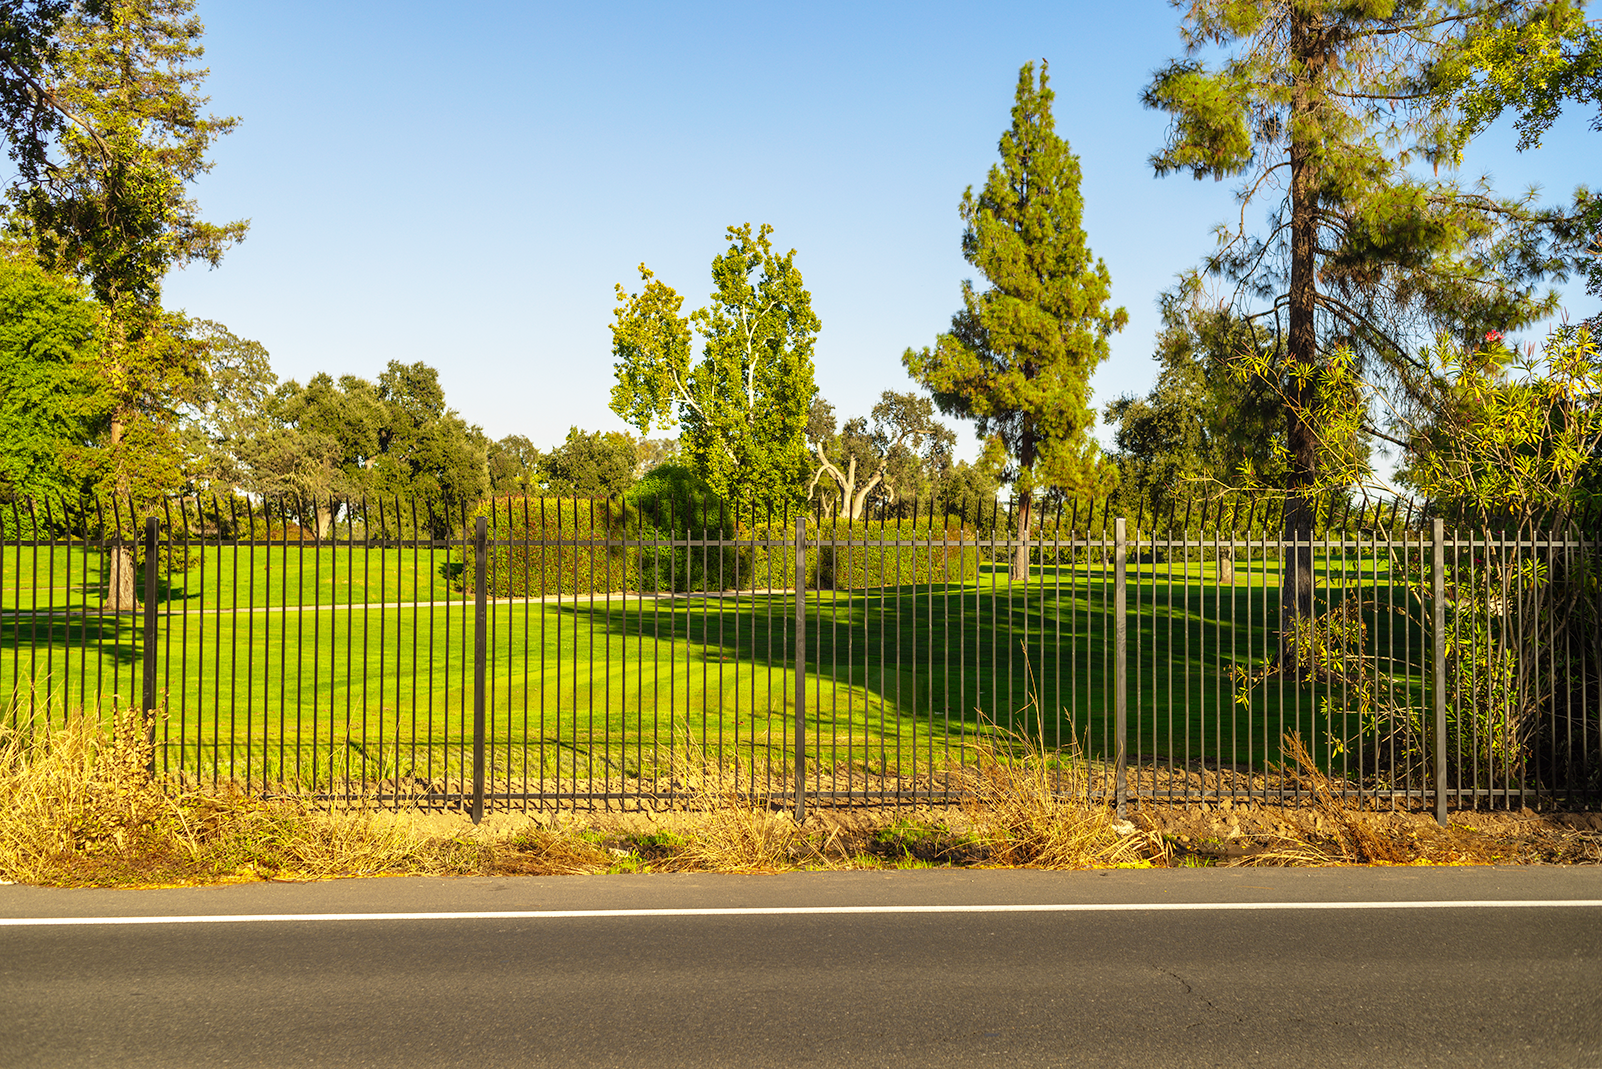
1493,335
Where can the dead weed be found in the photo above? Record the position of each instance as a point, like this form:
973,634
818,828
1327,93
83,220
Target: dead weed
78,808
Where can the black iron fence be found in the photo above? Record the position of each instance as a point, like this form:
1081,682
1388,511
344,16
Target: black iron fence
542,653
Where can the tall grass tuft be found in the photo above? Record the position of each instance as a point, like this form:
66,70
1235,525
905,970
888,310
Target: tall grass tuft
1033,807
1345,834
723,827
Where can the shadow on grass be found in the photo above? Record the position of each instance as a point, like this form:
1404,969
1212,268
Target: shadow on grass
957,658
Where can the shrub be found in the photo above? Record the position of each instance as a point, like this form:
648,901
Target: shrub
673,503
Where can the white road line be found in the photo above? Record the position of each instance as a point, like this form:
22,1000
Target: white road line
792,911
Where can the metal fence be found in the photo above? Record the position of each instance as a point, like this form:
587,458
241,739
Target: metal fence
544,653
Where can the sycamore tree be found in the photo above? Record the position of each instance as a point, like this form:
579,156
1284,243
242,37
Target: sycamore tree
100,102
1321,106
653,452
1020,353
900,450
743,405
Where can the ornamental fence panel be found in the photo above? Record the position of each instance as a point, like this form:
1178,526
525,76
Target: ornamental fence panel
537,653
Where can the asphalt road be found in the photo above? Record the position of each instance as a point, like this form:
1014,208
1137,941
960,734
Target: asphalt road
1343,967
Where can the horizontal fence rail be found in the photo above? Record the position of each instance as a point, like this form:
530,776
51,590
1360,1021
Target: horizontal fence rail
542,652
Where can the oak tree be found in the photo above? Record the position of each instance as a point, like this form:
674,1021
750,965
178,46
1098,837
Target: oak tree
514,465
900,451
394,439
590,464
228,410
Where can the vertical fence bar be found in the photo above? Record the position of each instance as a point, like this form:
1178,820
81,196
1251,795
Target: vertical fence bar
1438,592
480,625
801,667
1121,665
148,668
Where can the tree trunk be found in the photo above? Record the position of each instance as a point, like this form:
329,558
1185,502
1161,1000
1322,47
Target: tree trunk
325,519
1020,559
122,586
1296,583
1026,497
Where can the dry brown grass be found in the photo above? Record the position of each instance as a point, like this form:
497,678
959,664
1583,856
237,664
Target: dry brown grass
720,826
1332,830
1029,807
77,808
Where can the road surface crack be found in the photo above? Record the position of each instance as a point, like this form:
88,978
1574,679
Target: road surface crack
1187,989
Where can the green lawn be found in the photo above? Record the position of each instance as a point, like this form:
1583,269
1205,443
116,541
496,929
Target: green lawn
322,664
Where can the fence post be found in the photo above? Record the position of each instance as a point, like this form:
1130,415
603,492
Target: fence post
480,626
800,667
1120,666
148,667
1438,596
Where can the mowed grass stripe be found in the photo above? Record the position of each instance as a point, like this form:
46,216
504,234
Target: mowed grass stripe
895,671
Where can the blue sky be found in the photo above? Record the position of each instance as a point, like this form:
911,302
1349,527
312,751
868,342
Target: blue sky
465,185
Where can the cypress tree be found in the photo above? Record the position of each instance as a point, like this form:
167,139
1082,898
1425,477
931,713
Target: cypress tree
1019,355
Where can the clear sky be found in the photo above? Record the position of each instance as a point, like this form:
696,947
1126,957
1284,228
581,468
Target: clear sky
464,184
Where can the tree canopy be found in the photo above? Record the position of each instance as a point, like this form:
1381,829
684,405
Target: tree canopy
590,464
514,466
395,438
49,410
1203,422
743,406
228,411
1531,62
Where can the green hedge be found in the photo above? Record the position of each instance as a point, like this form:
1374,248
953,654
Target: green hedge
950,555
540,571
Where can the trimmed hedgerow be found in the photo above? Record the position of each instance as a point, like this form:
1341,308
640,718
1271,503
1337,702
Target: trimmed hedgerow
853,556
566,568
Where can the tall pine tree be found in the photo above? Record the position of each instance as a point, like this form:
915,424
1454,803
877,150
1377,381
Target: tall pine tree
102,110
1019,355
1322,105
